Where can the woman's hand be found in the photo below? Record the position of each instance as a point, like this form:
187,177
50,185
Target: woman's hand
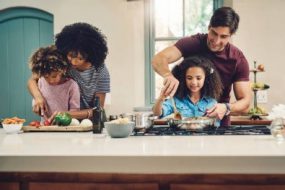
40,106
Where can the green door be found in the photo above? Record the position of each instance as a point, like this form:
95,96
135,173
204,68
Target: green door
22,31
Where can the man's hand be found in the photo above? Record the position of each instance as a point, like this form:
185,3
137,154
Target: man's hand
170,85
218,111
40,106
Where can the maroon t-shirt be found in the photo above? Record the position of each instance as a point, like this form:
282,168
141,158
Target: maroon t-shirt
230,63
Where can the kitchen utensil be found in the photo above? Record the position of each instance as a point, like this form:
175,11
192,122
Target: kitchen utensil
55,128
194,123
177,115
144,120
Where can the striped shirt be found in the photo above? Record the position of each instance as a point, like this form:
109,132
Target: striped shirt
91,81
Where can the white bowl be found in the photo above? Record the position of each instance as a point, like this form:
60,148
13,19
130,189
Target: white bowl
12,128
119,130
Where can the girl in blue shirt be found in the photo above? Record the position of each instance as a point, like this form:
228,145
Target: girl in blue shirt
199,89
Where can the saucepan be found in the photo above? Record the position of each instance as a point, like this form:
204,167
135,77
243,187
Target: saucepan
143,120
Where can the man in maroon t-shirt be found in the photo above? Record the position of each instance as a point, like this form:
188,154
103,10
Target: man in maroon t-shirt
228,60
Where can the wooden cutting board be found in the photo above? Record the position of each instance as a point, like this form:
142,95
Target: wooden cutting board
56,128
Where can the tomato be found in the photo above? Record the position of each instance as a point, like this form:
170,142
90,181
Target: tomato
35,123
47,123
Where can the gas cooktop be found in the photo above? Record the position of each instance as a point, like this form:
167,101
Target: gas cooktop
229,130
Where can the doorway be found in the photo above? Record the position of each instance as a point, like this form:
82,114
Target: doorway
22,31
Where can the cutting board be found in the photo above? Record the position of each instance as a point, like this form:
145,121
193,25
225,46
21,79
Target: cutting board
56,128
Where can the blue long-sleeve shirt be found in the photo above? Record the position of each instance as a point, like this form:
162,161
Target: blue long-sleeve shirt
187,108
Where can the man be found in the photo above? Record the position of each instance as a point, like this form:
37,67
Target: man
228,60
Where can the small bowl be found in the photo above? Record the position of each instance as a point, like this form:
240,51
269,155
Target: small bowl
12,128
119,130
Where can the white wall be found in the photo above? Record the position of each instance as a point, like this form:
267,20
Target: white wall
260,36
122,22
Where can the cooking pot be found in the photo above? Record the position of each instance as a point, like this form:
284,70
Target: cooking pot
144,120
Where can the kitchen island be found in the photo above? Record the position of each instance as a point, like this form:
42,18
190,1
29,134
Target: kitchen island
83,160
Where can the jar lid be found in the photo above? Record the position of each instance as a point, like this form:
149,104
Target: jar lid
143,109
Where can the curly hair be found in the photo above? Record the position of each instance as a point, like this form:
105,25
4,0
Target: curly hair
46,60
84,39
212,86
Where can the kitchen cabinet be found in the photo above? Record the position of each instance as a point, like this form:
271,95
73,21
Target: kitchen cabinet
226,187
115,181
88,186
67,161
9,185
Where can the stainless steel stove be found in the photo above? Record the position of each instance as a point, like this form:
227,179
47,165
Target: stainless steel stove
161,130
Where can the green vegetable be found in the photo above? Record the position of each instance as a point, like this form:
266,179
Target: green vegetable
63,119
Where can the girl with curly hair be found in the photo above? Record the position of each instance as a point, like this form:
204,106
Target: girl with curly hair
85,48
199,88
60,92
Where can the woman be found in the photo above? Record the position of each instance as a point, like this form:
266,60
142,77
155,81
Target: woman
85,48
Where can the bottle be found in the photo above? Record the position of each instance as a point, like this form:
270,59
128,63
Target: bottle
97,117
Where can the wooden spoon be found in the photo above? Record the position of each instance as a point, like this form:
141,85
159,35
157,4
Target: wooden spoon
177,115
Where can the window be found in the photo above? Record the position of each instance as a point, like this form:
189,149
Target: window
168,21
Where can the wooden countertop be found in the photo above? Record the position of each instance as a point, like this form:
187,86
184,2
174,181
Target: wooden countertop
245,120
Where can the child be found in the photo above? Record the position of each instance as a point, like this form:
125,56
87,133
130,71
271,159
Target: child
199,88
48,65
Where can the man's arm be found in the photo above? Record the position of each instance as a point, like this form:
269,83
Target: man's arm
160,65
243,96
39,106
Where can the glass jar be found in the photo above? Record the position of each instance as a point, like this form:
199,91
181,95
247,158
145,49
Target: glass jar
277,129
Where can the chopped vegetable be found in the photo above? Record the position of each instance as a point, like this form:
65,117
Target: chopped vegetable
47,123
35,124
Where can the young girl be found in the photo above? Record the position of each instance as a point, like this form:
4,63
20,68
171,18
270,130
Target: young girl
199,88
48,65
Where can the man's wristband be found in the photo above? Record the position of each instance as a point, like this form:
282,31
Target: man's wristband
228,111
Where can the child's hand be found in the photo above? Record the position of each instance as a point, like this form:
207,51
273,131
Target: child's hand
40,106
162,95
218,111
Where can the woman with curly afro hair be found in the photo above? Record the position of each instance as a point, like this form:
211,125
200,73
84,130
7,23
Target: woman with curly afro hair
85,48
199,89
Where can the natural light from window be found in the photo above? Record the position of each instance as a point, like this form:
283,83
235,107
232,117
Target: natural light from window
174,19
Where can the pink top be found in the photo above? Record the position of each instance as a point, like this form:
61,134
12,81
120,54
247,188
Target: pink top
61,97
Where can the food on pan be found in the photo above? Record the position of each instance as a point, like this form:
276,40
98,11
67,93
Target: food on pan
197,122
